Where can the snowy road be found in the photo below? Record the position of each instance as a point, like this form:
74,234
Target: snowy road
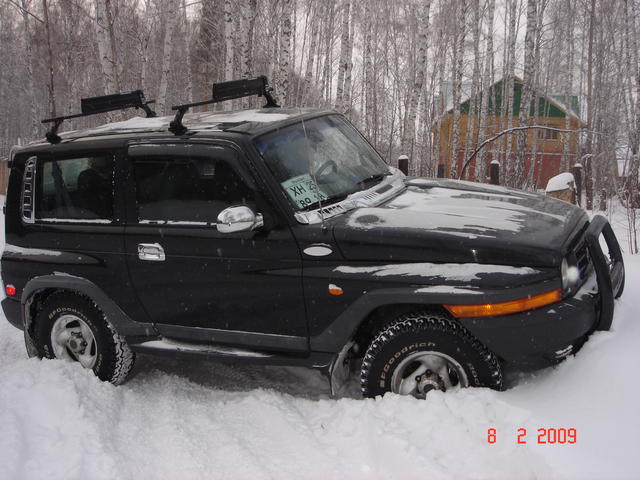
188,420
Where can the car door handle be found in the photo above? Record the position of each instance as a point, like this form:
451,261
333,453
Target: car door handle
152,252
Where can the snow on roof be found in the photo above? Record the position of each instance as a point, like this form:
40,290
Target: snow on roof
466,93
193,121
561,182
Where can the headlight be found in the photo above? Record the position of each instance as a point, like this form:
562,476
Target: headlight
570,275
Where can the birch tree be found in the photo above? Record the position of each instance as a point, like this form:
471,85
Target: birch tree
186,36
568,83
457,72
506,111
485,104
29,64
285,53
248,9
346,95
51,83
171,17
414,95
526,97
472,116
344,50
313,46
105,50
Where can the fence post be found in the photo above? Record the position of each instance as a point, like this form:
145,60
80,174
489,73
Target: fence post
440,173
494,172
577,175
403,164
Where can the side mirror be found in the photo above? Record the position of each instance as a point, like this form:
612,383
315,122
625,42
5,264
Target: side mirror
238,219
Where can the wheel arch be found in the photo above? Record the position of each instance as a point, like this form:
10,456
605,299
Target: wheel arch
382,316
371,309
38,289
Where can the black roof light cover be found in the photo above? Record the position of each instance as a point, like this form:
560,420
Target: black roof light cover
101,104
220,92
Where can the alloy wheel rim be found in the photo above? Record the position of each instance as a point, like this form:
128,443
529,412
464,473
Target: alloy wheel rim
422,372
72,339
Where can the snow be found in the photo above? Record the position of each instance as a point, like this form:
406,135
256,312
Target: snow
196,419
194,121
447,289
30,251
259,116
165,344
561,182
135,123
103,221
450,271
452,211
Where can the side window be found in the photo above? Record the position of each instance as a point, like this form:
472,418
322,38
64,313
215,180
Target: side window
194,190
75,189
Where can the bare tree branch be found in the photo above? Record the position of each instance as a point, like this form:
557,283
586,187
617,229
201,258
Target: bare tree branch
515,130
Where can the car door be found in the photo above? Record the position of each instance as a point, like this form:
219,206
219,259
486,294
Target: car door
195,282
71,224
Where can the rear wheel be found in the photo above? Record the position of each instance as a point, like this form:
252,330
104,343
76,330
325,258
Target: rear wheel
72,328
421,352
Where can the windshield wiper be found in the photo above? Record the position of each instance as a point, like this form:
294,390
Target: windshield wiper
372,178
341,196
327,201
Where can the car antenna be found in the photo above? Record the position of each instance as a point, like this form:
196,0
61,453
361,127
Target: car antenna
312,174
101,104
220,92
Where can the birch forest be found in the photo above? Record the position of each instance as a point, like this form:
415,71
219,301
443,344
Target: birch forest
394,67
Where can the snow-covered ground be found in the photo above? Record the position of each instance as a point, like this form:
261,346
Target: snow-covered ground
182,419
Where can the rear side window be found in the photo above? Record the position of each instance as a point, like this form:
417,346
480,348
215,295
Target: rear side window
187,189
75,189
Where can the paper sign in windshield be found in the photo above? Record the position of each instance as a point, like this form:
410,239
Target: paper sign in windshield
302,190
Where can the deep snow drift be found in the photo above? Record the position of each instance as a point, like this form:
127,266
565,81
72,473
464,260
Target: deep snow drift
200,419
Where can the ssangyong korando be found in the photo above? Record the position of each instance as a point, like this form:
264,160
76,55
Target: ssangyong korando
282,237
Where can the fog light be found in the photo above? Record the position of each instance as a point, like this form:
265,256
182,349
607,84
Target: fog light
10,290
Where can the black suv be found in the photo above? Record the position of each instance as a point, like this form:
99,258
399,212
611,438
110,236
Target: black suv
281,237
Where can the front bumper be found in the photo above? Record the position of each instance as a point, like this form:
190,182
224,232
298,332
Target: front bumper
540,337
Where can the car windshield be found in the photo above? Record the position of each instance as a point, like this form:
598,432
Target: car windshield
321,160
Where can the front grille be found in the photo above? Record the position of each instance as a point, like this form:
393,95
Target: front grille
583,260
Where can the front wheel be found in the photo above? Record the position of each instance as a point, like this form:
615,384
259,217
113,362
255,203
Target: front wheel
71,327
421,352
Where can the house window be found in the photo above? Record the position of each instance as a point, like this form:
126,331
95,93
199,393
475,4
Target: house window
547,134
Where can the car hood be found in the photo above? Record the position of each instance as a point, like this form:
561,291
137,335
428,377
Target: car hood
454,221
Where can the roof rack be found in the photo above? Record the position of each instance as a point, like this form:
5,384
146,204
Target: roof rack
226,91
102,104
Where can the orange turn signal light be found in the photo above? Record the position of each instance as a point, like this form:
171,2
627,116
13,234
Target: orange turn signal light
505,308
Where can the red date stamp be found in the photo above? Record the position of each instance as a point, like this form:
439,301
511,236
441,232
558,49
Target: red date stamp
543,436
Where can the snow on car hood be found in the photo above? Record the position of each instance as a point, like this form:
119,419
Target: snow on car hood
453,221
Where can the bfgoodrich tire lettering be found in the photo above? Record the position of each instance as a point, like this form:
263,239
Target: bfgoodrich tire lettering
432,335
113,357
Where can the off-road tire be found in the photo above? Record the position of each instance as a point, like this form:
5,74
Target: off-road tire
422,331
114,358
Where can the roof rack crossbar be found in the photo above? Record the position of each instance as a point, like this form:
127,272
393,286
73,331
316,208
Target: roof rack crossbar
220,92
101,104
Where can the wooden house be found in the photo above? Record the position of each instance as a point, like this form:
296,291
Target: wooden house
544,148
